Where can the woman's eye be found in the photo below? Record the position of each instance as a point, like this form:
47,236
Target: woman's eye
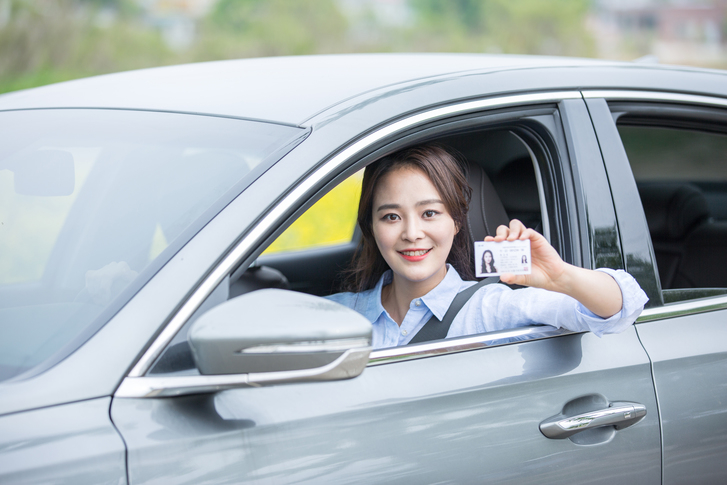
430,213
391,217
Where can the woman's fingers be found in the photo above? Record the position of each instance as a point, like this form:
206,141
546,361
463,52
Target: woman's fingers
516,230
510,233
546,263
501,233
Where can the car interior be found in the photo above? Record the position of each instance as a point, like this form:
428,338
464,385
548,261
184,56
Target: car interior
505,185
682,183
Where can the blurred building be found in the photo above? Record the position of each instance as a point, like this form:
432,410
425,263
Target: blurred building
176,18
677,32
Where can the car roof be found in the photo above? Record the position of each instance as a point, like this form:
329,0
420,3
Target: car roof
287,90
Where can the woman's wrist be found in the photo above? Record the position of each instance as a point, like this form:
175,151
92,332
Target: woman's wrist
567,281
595,290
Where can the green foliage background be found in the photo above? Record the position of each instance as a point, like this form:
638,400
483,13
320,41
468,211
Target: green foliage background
45,41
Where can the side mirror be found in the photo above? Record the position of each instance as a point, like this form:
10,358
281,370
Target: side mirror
263,338
277,336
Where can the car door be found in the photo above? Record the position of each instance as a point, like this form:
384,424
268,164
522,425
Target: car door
461,410
666,142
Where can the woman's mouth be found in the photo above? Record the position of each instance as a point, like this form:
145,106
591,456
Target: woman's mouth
414,254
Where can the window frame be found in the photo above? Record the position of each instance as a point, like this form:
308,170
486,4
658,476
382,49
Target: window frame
658,109
349,160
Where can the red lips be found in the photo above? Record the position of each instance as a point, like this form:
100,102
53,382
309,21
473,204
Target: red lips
414,258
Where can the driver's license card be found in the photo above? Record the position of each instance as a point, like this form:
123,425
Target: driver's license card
495,258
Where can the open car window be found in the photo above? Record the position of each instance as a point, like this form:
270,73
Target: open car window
313,253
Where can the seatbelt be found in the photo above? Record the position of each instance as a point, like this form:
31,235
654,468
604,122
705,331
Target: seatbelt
436,330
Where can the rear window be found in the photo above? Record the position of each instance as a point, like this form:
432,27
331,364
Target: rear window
94,202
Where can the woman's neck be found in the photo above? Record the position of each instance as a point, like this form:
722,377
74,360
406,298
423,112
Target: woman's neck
397,296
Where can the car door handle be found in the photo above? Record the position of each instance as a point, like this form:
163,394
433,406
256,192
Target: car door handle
618,414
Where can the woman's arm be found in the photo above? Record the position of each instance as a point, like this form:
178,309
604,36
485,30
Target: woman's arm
596,290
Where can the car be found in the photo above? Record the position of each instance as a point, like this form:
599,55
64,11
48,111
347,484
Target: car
167,235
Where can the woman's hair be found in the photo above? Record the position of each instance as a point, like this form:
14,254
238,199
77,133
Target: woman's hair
447,175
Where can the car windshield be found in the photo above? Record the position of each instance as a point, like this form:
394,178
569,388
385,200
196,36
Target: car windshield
94,202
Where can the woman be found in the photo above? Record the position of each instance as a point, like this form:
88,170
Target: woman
415,256
488,262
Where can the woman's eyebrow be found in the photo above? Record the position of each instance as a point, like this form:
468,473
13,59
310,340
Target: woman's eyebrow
397,206
388,206
429,201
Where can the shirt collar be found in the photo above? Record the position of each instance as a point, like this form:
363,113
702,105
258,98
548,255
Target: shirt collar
438,300
374,309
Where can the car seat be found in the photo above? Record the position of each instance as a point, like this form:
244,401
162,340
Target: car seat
486,211
687,243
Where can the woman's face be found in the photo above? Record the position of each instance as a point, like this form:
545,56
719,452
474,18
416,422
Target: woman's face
412,228
488,257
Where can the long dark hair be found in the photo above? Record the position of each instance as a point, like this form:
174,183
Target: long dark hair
448,176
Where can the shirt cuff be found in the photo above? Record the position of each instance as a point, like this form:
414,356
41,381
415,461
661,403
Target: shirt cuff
633,298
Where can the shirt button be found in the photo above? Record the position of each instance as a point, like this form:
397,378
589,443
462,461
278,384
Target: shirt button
417,302
403,332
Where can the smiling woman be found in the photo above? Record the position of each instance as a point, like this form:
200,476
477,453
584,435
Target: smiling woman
422,185
416,247
414,235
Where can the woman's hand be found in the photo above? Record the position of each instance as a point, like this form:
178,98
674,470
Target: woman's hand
596,290
546,264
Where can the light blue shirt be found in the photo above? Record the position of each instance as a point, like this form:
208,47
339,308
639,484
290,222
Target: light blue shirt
493,307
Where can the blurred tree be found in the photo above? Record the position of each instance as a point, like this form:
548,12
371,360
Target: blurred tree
248,28
43,41
46,41
554,27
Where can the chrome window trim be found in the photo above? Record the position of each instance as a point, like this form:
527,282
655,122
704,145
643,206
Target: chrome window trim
683,308
461,344
278,213
631,95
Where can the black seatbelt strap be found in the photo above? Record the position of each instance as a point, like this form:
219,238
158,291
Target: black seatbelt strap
436,330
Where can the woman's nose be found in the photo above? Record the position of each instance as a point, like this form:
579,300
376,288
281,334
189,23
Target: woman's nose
412,230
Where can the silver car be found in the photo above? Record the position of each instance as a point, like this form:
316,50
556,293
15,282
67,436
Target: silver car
151,332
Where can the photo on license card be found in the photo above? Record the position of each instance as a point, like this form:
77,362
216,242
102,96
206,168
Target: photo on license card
496,258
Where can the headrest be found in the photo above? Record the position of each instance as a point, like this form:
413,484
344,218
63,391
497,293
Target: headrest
672,208
257,278
486,211
518,187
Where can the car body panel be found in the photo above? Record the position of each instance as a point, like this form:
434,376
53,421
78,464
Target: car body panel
328,87
690,374
282,89
72,443
408,422
689,361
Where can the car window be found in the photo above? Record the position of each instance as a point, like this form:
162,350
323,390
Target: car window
94,202
330,221
681,175
311,256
